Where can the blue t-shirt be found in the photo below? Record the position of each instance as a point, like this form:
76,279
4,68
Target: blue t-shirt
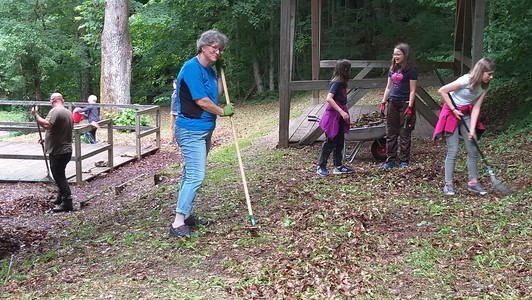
194,82
339,91
400,89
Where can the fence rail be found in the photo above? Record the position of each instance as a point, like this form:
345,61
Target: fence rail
80,129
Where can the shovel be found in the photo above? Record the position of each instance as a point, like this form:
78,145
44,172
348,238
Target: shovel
253,229
498,185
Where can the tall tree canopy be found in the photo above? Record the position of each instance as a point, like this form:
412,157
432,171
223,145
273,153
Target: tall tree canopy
55,45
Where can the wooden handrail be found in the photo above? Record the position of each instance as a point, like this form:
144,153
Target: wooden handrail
80,129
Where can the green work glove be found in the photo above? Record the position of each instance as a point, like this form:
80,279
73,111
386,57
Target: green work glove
219,65
229,110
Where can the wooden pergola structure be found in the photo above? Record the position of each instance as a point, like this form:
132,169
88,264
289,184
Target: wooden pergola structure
469,31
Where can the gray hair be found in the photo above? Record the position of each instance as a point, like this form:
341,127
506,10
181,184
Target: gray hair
211,37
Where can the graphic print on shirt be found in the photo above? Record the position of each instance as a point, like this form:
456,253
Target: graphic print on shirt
396,78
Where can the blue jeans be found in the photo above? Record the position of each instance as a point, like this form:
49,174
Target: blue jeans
194,146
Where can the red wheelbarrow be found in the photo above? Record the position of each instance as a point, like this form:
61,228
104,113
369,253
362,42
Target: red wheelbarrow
361,135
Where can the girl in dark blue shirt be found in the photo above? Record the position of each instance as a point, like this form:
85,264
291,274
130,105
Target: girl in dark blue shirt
335,121
400,94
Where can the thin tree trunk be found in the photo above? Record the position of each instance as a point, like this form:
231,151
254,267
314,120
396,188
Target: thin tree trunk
256,74
271,71
85,73
115,78
271,81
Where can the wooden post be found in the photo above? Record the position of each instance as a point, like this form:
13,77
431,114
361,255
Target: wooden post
285,61
478,30
137,136
158,126
110,141
316,43
79,171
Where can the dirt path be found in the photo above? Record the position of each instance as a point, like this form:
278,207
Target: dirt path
25,216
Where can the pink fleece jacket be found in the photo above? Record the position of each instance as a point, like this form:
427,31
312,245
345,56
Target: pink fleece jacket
447,122
330,121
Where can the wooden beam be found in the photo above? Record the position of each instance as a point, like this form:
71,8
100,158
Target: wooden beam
459,36
422,94
425,111
464,60
311,85
357,63
420,65
315,17
468,29
285,61
478,30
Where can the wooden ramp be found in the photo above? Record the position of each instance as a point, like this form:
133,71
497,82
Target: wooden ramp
34,170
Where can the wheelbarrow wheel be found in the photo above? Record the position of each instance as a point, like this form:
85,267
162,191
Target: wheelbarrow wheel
378,149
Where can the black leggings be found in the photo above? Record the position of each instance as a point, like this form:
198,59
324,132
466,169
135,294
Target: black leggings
58,163
335,145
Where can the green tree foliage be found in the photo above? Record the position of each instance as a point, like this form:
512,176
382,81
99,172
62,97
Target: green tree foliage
55,44
508,41
40,51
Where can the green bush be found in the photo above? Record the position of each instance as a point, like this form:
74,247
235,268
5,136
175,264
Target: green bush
127,118
13,116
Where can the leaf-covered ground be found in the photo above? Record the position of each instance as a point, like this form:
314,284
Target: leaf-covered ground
369,235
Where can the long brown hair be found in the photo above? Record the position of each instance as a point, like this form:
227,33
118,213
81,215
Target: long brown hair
408,61
482,66
341,72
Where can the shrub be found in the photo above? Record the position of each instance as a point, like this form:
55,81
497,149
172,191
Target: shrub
127,118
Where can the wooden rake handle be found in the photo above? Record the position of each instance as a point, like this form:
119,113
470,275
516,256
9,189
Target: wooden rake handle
42,146
240,164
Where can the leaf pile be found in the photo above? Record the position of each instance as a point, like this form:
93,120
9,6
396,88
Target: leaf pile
368,120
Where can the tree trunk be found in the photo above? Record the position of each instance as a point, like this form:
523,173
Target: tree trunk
271,70
256,74
85,73
115,78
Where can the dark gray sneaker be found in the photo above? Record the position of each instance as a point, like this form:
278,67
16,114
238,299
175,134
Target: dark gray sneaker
195,221
181,231
342,170
477,188
448,189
